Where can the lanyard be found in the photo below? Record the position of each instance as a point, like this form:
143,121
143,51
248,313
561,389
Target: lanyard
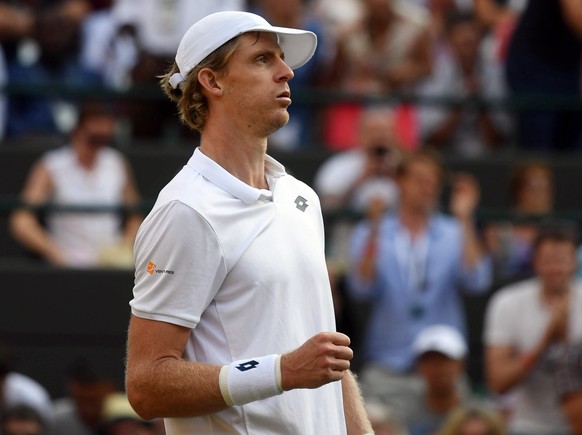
412,254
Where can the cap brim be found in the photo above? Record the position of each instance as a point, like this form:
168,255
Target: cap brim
298,45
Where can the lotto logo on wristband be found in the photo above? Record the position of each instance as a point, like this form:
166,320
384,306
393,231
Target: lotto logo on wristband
248,365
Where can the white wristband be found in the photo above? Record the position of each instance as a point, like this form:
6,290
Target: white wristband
251,379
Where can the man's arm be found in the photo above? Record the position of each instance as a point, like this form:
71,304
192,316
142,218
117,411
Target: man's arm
464,200
160,383
357,421
24,224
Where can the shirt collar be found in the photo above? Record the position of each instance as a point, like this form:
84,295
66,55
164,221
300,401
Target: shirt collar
219,176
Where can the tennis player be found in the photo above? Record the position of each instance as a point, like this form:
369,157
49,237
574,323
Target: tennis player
232,327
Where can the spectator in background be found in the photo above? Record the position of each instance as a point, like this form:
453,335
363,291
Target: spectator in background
530,328
361,179
387,50
468,127
81,412
296,14
19,389
440,353
510,242
473,420
544,61
412,265
56,37
353,178
21,420
88,172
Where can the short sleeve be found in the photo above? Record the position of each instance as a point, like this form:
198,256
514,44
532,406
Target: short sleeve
498,321
179,266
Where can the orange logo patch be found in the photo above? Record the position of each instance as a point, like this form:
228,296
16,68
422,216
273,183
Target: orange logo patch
151,267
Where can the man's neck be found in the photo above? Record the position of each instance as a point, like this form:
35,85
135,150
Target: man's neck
86,155
415,221
552,293
243,157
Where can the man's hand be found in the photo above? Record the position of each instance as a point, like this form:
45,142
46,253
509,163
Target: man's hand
322,359
464,196
557,329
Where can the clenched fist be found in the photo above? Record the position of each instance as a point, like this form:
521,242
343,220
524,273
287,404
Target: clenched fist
323,358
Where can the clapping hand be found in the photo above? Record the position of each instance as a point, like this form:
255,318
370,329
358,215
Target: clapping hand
464,197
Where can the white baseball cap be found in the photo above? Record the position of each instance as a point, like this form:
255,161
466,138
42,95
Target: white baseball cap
442,339
212,31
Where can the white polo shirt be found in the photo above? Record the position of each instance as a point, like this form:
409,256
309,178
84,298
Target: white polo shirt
245,269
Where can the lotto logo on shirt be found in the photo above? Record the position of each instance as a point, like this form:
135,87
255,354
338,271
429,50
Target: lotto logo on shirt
152,269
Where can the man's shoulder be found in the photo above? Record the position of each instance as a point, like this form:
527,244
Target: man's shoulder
518,292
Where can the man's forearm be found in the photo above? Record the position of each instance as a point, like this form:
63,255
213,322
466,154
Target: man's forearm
357,421
174,388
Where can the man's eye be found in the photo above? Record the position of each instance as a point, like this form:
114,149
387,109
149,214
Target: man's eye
262,59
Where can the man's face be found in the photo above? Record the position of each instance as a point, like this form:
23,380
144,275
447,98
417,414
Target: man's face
97,132
555,263
89,398
439,372
465,39
255,88
420,186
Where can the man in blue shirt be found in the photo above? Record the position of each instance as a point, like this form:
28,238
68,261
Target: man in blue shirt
412,265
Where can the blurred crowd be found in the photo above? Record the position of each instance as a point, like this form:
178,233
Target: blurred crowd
418,81
466,77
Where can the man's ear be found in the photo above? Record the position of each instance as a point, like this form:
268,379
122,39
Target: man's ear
208,80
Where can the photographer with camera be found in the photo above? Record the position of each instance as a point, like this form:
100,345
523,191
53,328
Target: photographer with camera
355,179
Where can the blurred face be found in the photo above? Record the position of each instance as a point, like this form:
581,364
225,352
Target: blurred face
555,264
464,39
439,372
21,427
89,399
420,186
536,192
96,132
378,141
255,88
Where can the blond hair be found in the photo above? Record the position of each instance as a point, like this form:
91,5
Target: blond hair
188,96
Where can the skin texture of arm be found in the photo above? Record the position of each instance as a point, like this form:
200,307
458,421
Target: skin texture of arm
160,383
357,421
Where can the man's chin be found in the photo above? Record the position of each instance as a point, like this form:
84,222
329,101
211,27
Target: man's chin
278,124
